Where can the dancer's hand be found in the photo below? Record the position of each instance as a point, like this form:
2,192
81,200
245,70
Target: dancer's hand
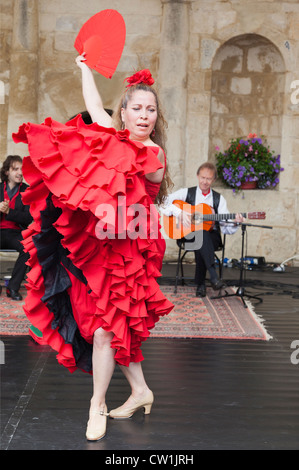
80,61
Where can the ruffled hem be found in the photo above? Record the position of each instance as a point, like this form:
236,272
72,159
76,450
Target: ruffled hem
78,282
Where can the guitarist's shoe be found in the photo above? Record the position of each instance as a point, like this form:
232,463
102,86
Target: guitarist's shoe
218,284
201,291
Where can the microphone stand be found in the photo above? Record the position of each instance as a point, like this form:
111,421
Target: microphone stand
241,289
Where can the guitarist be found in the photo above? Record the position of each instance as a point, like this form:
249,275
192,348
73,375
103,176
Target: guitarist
211,241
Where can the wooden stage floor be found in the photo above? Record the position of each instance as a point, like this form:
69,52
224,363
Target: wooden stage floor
209,394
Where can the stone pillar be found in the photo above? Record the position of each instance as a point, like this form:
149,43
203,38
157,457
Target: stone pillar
23,93
173,82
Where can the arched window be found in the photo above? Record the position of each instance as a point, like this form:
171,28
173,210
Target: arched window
248,77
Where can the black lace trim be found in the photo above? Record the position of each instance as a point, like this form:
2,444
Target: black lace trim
53,258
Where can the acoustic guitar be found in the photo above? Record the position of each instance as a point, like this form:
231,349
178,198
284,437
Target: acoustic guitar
203,217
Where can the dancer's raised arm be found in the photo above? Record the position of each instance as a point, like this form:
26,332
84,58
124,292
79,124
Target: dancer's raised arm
92,98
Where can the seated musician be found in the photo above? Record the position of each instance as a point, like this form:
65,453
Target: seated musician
14,217
210,241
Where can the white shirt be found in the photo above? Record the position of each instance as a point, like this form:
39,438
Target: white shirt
170,209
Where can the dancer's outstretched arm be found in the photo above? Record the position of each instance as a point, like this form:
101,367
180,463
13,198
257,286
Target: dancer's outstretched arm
92,98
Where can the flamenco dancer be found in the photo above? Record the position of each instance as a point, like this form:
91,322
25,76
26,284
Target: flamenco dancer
95,299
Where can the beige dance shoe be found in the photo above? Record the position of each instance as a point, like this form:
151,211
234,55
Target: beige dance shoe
96,426
126,411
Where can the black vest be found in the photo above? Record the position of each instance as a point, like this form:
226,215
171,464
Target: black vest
190,199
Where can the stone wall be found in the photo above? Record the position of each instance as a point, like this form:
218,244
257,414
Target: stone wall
243,60
223,68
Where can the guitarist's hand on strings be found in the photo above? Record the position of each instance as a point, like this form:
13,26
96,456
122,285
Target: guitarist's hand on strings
239,218
185,219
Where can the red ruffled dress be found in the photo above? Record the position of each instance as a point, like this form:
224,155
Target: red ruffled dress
89,199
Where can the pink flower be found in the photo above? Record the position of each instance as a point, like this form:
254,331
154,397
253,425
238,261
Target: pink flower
217,148
251,136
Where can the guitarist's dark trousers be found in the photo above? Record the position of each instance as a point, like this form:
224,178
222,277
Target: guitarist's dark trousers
205,258
211,241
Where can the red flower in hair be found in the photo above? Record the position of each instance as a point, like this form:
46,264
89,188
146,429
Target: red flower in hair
143,76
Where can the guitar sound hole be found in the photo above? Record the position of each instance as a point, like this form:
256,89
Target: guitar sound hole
196,219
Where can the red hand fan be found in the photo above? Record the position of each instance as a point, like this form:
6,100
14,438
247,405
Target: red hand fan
102,38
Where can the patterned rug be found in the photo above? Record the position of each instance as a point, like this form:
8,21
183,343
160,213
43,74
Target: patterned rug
192,317
195,317
13,320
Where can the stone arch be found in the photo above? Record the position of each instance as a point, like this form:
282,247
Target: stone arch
248,77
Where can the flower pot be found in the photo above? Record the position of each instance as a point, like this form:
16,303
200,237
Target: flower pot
249,185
